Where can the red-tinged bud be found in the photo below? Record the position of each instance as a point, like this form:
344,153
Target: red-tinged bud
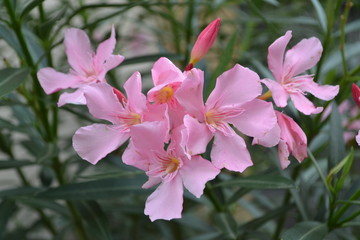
204,41
356,94
119,95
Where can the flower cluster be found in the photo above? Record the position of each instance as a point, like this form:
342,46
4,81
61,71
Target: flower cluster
170,127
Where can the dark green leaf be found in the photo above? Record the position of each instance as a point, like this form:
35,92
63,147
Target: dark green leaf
21,191
337,144
7,209
320,13
100,189
227,225
260,182
96,221
43,204
11,78
305,231
9,36
30,6
6,164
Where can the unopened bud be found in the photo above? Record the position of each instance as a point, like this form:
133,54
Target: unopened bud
204,41
356,94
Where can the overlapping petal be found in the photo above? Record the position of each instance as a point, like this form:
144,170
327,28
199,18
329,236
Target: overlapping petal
94,142
52,81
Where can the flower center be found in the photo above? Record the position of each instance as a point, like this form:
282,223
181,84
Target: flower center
164,95
130,119
171,165
213,117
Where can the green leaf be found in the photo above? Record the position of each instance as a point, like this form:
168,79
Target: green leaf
99,189
96,221
269,215
43,204
11,78
320,13
224,60
9,36
7,209
6,164
30,6
337,144
21,191
260,182
305,231
227,224
344,165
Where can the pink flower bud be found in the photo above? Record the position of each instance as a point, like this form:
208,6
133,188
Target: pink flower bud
204,41
356,94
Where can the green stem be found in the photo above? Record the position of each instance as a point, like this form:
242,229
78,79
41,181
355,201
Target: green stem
208,191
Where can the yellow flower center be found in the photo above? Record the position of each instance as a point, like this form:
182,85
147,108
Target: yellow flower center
131,119
164,95
172,165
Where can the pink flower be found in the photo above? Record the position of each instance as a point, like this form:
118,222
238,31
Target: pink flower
94,142
356,93
358,138
233,101
290,137
300,58
87,67
167,79
173,168
204,42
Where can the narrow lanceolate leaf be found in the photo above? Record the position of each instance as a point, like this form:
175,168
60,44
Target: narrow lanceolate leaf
21,191
14,164
99,189
305,231
97,223
320,13
7,209
11,78
337,144
260,182
30,5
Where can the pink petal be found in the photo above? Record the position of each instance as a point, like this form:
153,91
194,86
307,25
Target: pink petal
197,136
52,81
283,153
149,135
257,119
76,97
152,181
111,62
293,135
279,94
190,94
167,200
302,56
303,104
230,152
164,72
276,55
78,50
136,99
196,173
324,92
105,49
94,142
103,102
358,138
134,158
235,86
270,139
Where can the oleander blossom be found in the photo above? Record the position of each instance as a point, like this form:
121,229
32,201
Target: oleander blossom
167,79
286,70
95,141
87,66
233,101
173,168
290,138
